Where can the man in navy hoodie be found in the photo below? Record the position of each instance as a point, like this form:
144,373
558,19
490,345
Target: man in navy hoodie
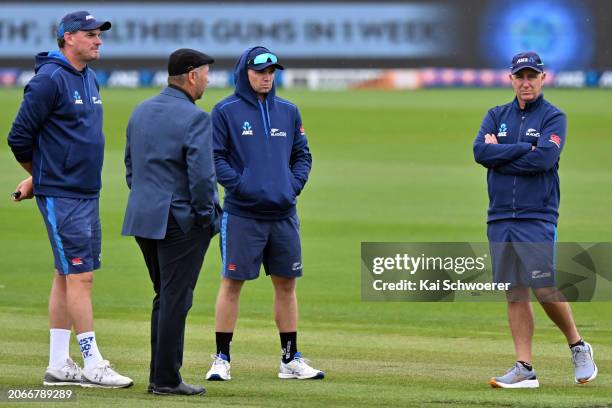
520,144
57,138
263,161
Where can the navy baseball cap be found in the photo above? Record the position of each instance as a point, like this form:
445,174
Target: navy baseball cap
80,21
527,59
261,58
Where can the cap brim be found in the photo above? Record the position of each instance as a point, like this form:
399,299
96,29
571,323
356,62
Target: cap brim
261,67
527,66
95,24
207,59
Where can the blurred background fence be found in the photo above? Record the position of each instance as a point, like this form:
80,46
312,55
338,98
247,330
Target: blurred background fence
337,45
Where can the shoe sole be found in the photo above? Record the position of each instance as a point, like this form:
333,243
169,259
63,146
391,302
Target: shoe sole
319,376
217,377
591,378
155,392
93,385
521,384
61,383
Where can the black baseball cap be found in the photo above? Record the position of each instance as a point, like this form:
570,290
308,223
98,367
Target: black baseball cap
184,60
261,58
80,21
527,59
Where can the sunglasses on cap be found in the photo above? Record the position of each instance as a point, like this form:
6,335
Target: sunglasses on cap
263,58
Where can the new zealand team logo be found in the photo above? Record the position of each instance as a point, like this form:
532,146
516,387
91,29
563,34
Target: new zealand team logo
503,130
246,129
77,98
277,133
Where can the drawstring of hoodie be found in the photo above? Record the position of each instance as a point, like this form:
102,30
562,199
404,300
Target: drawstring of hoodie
86,87
263,117
268,114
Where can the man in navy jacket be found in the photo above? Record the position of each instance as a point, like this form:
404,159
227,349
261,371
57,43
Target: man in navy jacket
520,143
172,207
57,137
263,161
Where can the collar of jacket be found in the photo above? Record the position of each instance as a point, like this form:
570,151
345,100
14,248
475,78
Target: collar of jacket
56,57
529,106
178,92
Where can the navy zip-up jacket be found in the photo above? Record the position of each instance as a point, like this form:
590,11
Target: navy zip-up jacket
260,150
522,182
59,129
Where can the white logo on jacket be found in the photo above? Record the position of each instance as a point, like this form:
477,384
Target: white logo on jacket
246,129
532,132
277,133
77,98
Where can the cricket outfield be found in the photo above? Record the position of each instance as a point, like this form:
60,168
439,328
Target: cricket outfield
387,166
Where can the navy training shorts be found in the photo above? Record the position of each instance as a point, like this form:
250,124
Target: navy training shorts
74,230
246,243
523,252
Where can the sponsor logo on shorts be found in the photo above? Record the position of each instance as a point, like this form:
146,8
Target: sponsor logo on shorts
277,133
231,267
503,130
76,261
556,140
246,129
297,266
540,274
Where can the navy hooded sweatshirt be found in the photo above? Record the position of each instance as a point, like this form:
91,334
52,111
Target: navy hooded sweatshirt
59,129
260,150
522,182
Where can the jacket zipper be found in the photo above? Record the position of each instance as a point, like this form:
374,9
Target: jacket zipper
523,114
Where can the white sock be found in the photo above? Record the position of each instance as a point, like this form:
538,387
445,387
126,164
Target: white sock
59,343
89,349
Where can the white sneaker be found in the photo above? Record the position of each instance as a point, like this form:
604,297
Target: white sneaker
68,374
585,367
298,368
103,376
220,370
516,377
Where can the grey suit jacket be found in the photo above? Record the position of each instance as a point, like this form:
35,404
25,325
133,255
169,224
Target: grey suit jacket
169,167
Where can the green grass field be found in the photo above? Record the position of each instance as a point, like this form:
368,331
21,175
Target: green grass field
387,166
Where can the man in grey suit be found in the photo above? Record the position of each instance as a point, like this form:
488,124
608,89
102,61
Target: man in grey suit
173,206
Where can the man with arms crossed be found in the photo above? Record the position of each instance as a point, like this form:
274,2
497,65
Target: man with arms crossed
263,161
172,207
520,143
57,137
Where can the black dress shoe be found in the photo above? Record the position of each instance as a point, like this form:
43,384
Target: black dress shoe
150,388
181,389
